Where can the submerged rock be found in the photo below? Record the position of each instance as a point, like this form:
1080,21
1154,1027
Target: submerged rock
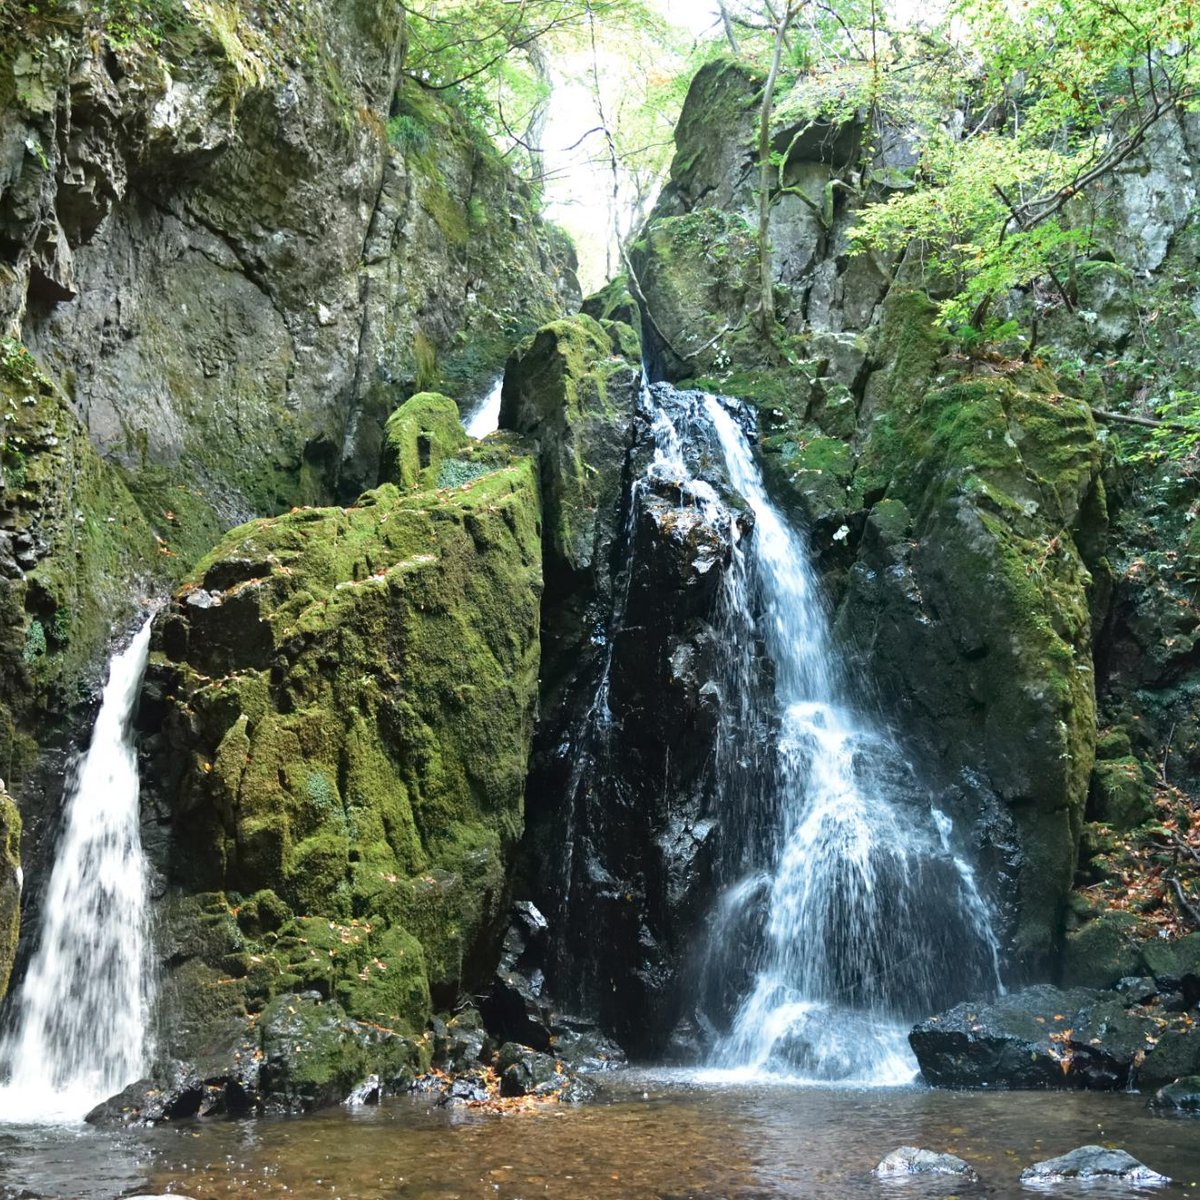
1091,1163
910,1160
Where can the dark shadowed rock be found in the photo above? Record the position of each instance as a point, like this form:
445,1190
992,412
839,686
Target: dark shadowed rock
1182,1096
1044,1037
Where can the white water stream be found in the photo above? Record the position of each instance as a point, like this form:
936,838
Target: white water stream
83,1010
485,417
867,909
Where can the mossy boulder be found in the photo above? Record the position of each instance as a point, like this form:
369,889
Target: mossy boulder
1120,794
341,706
420,435
10,885
977,624
1102,952
565,390
714,138
699,275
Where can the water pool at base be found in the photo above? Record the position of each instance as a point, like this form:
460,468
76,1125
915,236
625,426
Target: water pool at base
653,1137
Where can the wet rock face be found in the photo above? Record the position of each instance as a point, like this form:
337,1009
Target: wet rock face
620,774
215,235
1044,1037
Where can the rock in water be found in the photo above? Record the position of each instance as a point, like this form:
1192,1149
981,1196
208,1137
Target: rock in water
1182,1096
911,1160
1094,1163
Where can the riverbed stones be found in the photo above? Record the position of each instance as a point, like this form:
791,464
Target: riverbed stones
1089,1164
911,1160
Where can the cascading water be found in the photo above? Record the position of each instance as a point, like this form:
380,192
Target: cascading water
82,1012
485,417
869,917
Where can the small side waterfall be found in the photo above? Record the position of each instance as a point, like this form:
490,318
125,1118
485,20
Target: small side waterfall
82,1012
485,417
867,916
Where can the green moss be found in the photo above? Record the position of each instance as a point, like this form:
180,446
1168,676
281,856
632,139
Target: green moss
557,392
10,886
1121,794
419,436
387,744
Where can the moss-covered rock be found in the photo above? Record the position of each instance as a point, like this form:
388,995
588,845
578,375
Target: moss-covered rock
977,624
699,275
343,702
1120,794
10,885
1102,952
565,389
420,435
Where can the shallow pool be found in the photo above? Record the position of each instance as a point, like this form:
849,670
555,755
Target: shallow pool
660,1136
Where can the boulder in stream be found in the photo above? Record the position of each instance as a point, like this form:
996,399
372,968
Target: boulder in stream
1047,1037
1182,1096
1093,1163
911,1160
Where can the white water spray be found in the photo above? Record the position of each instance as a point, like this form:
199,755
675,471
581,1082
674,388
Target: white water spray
485,418
867,909
84,1008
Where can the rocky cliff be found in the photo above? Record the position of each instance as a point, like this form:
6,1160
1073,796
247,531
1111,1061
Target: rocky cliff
998,564
232,242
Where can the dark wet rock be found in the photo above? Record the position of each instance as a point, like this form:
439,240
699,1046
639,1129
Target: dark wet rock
1182,1096
524,1071
1044,1037
462,1043
1093,1163
583,1046
910,1160
466,1089
517,1010
1006,1043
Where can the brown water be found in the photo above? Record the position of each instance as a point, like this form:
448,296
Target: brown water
659,1137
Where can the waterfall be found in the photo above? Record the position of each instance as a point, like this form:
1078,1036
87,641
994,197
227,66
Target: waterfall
867,918
485,417
81,1015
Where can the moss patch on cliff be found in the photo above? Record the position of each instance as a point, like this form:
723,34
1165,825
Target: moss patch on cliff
73,545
